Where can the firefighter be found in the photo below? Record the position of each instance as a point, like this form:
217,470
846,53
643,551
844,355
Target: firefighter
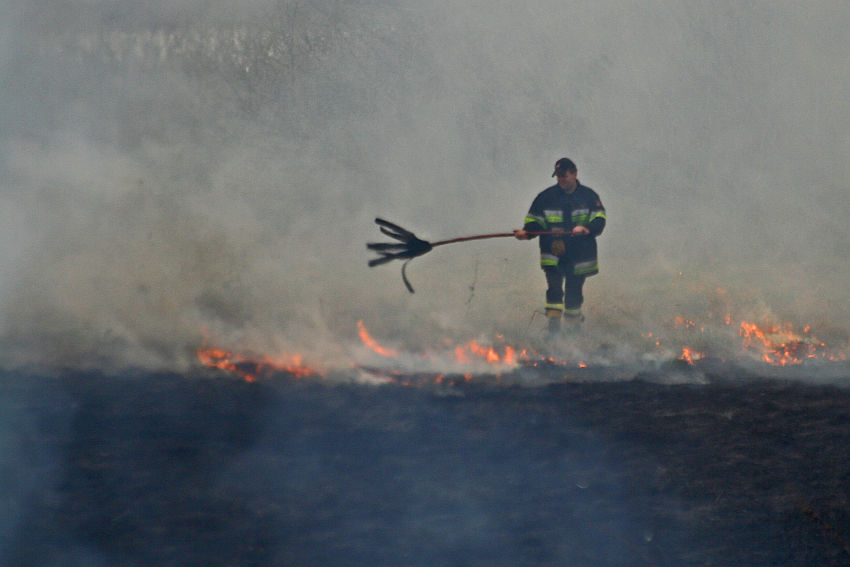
572,216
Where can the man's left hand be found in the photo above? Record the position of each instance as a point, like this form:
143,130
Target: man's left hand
580,231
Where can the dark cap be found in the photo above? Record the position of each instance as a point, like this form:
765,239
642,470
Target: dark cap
564,165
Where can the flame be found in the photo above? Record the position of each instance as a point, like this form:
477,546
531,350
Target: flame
472,347
690,356
463,354
467,353
249,368
772,343
777,344
780,345
510,356
223,360
472,351
370,342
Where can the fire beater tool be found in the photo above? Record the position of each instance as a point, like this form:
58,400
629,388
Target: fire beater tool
409,246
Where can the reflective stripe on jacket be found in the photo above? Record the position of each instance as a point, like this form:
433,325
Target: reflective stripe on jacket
555,210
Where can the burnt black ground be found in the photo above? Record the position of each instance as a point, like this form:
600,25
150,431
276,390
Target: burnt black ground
165,469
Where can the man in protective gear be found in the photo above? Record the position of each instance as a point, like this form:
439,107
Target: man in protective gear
571,215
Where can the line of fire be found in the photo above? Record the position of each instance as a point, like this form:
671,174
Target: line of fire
778,345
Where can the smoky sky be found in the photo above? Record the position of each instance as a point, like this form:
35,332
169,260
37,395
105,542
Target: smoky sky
180,173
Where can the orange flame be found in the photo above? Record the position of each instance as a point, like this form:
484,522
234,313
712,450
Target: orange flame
370,342
780,345
464,354
224,360
510,356
487,353
249,368
772,343
472,350
690,356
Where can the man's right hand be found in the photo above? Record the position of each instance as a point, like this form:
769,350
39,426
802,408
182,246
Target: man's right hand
521,234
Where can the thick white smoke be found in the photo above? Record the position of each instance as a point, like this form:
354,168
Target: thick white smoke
175,174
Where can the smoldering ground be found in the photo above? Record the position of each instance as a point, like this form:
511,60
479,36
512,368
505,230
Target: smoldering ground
189,469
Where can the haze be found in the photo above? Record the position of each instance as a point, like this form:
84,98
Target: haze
175,173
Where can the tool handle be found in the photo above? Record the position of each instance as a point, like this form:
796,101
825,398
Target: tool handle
493,235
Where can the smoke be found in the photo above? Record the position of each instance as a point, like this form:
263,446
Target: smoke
175,174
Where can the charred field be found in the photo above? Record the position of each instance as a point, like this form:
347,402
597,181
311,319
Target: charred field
204,468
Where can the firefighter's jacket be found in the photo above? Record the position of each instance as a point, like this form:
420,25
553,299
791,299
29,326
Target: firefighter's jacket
555,210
